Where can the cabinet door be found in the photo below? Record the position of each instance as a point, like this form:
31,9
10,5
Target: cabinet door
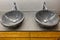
43,38
14,38
7,38
22,38
45,34
14,34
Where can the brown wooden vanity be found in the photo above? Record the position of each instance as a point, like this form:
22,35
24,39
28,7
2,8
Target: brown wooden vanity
29,35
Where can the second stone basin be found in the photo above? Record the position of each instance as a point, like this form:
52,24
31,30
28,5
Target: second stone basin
47,18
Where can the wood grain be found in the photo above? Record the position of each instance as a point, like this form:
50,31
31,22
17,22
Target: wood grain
45,34
29,35
43,38
14,34
14,38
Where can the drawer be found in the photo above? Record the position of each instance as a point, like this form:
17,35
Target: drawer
7,38
45,34
14,38
29,34
14,34
28,38
43,38
22,38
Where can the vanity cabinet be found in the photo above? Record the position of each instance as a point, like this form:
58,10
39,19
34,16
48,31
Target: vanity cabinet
29,35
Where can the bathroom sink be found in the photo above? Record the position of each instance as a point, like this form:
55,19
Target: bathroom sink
46,18
12,18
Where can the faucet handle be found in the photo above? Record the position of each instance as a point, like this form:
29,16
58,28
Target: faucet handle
15,6
44,6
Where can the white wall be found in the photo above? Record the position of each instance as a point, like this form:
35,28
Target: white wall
29,5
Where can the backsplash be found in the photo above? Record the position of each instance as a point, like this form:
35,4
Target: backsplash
29,5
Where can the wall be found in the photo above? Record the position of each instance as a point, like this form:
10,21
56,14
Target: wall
29,5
